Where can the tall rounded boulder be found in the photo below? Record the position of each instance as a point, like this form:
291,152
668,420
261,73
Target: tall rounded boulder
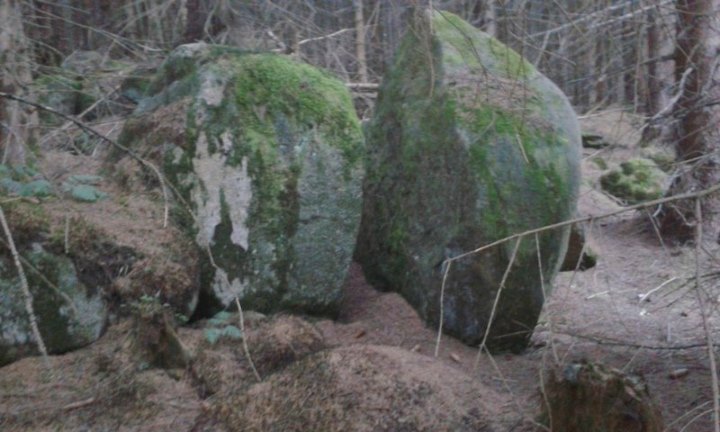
469,144
267,154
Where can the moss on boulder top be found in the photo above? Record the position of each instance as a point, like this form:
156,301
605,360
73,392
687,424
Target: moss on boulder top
469,144
267,154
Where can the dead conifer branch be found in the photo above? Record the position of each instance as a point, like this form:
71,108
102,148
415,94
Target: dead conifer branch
679,197
79,404
246,349
25,289
327,36
442,308
483,344
368,86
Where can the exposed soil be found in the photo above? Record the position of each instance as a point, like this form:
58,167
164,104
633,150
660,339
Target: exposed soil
596,315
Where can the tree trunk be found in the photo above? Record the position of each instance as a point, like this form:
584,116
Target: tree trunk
360,41
194,28
653,86
694,131
18,124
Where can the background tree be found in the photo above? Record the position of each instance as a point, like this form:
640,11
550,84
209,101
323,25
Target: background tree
18,124
694,127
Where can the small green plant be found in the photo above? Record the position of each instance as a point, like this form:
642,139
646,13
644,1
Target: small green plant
219,327
213,335
83,188
24,181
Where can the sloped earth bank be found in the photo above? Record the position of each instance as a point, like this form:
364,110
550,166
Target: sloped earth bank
595,315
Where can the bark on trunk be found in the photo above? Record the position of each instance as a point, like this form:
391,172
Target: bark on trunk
694,135
18,124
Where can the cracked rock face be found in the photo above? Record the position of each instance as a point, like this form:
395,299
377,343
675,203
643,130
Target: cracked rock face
267,153
469,144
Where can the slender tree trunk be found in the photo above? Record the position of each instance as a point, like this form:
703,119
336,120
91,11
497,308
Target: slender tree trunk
490,18
17,124
653,86
194,28
695,134
360,41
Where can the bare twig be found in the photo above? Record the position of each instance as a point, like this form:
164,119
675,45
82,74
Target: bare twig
645,296
483,344
327,36
442,308
79,404
620,343
363,86
66,235
244,340
683,196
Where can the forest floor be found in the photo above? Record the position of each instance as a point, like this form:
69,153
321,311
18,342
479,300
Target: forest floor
636,311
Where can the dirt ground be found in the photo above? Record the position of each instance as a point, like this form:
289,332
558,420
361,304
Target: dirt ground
637,311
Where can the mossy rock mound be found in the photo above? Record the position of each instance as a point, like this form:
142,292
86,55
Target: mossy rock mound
70,312
267,154
469,144
69,89
358,388
636,180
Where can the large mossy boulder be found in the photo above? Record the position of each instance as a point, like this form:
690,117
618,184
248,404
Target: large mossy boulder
70,313
469,144
266,152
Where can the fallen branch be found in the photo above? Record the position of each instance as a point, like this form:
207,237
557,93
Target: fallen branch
363,86
246,349
79,404
620,343
327,36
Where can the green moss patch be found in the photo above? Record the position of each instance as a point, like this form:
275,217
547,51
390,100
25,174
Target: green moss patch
636,181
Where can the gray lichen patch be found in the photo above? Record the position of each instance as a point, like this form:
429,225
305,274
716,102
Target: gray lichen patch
222,183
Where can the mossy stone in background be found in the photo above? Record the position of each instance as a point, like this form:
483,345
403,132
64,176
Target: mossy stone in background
636,180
